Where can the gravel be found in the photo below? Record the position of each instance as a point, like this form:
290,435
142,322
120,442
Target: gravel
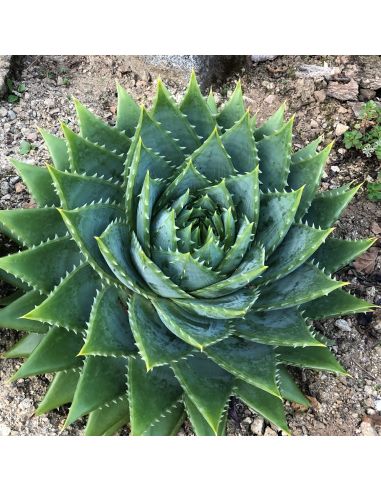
339,404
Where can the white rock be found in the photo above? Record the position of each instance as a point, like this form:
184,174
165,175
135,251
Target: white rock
270,432
317,71
367,429
4,430
335,169
257,426
270,99
342,324
340,129
377,405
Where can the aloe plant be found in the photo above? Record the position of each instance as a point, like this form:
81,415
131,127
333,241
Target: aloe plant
175,260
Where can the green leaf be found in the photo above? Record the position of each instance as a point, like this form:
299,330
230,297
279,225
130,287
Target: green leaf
58,150
184,270
244,189
240,145
144,162
10,316
302,285
246,273
188,179
211,103
306,153
102,379
167,232
289,390
87,223
157,139
250,361
169,423
238,250
299,244
274,157
207,385
77,190
39,183
212,150
262,402
319,358
163,230
25,146
327,206
233,109
233,305
277,212
115,246
69,304
336,303
308,173
109,419
196,110
57,351
199,424
374,189
98,132
283,327
12,98
43,266
166,112
195,330
23,225
273,124
61,391
154,277
92,159
157,345
109,332
24,347
336,253
151,394
128,112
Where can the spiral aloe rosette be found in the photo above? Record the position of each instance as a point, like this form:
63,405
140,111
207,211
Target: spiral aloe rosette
173,261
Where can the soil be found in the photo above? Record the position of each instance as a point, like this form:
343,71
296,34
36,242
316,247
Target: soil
339,405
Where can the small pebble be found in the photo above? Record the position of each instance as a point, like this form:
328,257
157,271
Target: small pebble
343,325
257,426
4,430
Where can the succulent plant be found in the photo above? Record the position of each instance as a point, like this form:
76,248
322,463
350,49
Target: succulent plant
173,261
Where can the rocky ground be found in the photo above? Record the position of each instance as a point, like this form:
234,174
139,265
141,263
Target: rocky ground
325,93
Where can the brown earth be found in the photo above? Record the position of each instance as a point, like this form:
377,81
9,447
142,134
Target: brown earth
340,405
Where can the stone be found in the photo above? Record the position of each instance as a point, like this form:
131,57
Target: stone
314,124
367,429
3,112
270,432
371,73
317,71
340,129
208,68
367,94
262,58
320,96
4,430
377,405
49,103
270,99
342,324
5,68
343,91
11,115
257,426
335,169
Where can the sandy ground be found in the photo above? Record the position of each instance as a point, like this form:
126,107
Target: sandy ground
340,406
